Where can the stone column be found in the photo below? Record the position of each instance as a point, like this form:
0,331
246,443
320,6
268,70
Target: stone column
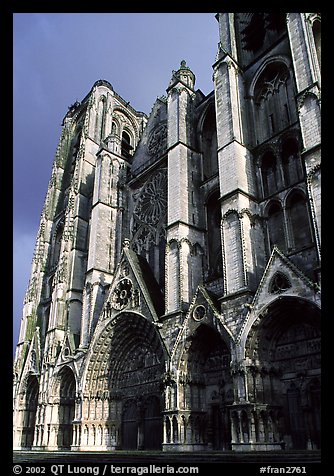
252,434
241,433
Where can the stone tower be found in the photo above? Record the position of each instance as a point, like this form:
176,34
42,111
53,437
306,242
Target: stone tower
174,299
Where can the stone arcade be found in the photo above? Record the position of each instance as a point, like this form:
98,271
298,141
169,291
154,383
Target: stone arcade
174,298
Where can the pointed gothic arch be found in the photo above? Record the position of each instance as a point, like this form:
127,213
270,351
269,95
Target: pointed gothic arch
273,91
276,225
316,30
270,174
28,411
213,218
299,222
126,365
284,348
209,142
133,128
57,239
204,383
234,277
279,283
64,389
291,161
126,144
100,119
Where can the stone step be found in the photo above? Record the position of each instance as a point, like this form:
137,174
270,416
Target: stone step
281,457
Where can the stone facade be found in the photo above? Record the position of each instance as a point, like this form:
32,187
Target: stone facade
174,298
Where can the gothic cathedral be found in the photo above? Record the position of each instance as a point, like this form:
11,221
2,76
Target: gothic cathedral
174,298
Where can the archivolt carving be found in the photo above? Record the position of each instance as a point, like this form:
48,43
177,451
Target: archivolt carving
128,352
272,320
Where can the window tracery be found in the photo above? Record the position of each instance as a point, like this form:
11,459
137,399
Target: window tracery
279,283
199,312
274,100
149,223
122,294
152,201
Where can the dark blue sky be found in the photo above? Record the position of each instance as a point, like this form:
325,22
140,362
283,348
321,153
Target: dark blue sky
57,59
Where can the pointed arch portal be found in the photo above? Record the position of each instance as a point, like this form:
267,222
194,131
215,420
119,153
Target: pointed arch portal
66,389
128,364
29,412
285,376
206,388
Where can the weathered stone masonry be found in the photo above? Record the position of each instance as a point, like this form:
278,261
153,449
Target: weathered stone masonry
174,298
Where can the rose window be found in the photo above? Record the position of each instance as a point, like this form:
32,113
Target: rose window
122,294
199,312
152,202
279,283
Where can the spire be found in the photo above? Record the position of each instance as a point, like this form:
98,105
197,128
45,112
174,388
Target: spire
183,74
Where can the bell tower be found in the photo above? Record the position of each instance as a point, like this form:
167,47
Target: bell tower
78,243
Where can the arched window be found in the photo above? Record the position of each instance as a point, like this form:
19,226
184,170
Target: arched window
100,119
209,144
126,145
214,237
148,224
276,226
57,243
299,220
279,283
75,148
270,174
274,101
291,161
316,29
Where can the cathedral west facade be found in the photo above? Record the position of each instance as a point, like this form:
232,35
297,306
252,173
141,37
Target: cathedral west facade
174,298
